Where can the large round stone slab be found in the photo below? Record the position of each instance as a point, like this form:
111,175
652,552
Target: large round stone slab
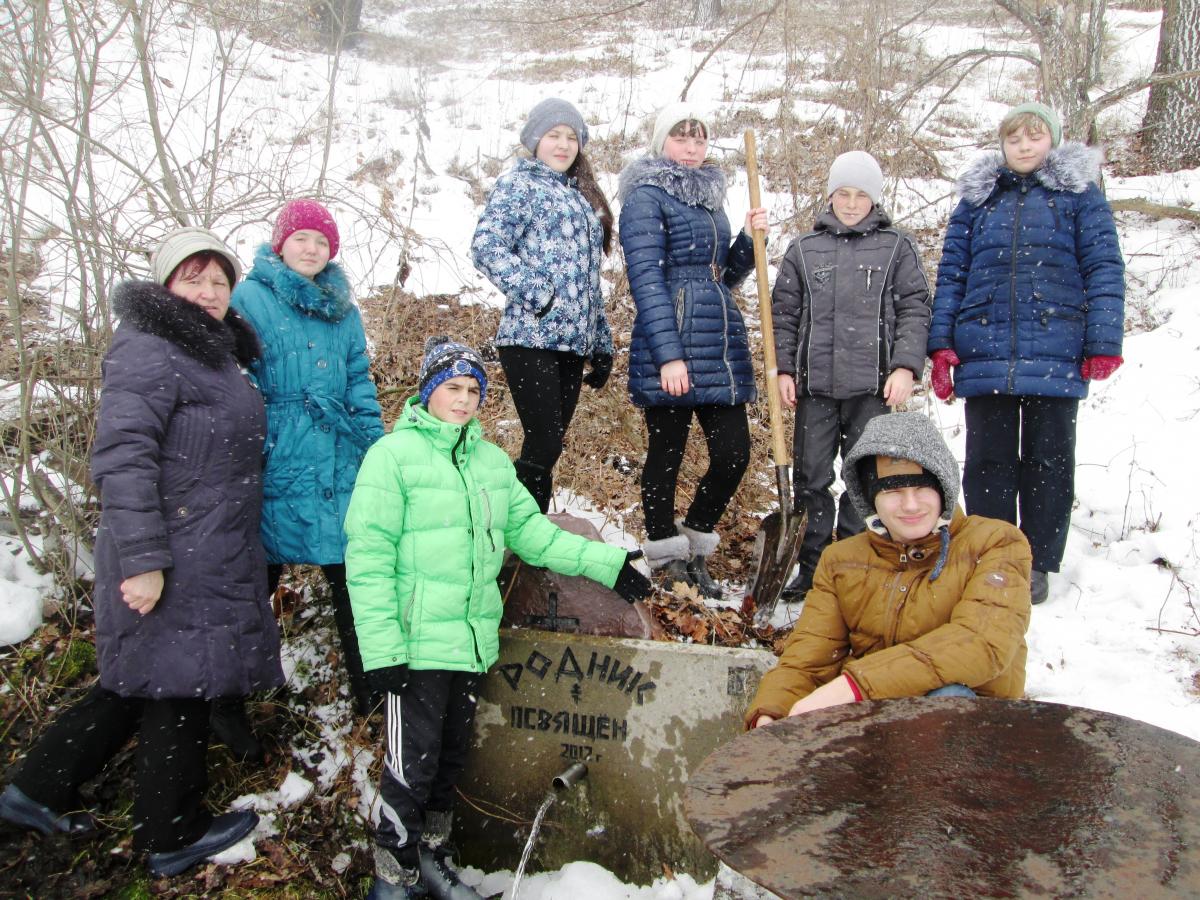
955,798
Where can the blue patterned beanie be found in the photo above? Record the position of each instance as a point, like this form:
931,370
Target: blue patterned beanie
446,359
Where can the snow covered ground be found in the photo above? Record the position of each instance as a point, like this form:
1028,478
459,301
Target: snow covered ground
1121,629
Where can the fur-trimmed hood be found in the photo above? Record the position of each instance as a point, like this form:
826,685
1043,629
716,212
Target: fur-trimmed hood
326,296
703,186
151,308
1072,166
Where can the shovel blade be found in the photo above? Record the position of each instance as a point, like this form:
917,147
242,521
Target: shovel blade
776,547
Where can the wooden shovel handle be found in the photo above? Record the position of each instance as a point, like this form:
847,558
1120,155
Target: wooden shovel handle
778,446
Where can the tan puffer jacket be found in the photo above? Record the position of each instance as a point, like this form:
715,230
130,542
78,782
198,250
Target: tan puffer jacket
875,614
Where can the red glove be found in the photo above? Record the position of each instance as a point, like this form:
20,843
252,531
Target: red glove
943,362
1097,368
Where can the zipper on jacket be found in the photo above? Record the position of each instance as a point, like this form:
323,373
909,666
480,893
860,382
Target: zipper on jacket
679,302
1012,292
462,440
487,508
724,310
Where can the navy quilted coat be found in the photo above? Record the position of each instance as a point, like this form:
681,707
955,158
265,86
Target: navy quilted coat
178,462
541,243
681,266
1031,280
322,413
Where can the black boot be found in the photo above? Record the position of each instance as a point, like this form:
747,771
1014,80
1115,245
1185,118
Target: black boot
798,587
394,881
231,728
1039,587
697,568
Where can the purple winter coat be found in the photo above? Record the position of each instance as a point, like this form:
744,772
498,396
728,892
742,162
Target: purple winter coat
178,461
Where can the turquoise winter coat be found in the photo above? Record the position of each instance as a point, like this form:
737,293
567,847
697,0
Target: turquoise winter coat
322,414
434,507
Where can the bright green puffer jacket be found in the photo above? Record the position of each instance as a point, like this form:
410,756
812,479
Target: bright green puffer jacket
433,508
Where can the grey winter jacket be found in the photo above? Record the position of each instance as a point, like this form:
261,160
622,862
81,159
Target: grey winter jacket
541,243
178,461
851,304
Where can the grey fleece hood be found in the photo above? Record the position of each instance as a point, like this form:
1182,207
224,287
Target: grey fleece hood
904,435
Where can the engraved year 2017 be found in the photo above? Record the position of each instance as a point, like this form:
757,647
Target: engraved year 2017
577,752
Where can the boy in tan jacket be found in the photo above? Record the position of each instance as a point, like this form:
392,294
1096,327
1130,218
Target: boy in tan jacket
927,600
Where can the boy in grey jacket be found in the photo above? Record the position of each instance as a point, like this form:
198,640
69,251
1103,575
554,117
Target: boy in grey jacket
851,308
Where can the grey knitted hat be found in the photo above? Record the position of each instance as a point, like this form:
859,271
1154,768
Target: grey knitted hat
550,112
903,435
856,169
184,242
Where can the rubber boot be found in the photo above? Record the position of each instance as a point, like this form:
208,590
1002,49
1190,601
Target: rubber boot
231,728
701,545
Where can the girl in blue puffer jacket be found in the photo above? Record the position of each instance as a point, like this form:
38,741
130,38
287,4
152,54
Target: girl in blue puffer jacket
1029,307
322,413
690,353
541,241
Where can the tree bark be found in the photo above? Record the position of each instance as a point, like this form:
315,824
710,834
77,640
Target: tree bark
1171,128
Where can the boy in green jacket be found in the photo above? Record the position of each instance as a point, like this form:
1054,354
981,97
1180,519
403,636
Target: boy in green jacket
433,509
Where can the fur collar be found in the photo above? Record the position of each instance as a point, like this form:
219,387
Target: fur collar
1071,167
327,296
151,308
704,186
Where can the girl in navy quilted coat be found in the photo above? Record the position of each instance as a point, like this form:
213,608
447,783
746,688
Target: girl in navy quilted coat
1029,307
541,240
690,353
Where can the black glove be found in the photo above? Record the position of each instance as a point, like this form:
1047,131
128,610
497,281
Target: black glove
631,584
388,680
601,369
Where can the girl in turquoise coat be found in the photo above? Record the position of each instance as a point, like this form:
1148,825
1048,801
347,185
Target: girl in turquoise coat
322,413
433,510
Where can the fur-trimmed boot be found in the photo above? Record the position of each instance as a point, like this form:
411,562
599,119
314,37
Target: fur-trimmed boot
667,559
701,545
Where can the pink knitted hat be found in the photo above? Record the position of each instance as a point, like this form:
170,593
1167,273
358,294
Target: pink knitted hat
298,215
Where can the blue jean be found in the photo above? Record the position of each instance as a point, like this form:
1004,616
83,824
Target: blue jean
952,690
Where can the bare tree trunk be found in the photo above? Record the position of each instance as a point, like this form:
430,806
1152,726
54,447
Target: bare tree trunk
1171,128
707,12
1070,36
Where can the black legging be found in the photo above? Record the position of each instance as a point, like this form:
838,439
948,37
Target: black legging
343,617
727,433
545,388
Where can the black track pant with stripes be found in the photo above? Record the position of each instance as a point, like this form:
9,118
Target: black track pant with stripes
428,732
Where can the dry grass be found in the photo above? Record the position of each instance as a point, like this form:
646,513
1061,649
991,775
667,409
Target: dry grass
606,444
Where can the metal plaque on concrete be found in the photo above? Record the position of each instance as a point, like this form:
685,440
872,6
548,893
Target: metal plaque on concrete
640,714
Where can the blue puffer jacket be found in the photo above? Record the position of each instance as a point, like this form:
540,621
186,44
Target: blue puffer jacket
541,243
322,414
1031,280
676,238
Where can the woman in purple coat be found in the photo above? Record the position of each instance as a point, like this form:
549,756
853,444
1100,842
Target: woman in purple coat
182,615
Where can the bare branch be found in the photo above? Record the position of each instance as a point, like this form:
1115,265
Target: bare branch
1118,94
1154,210
766,13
